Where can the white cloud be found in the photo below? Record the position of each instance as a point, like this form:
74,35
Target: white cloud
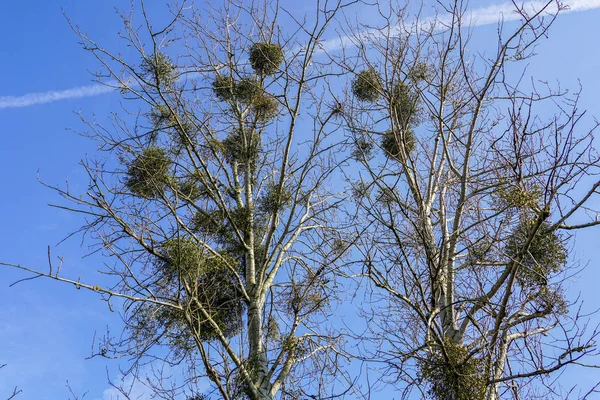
582,5
477,17
488,15
31,99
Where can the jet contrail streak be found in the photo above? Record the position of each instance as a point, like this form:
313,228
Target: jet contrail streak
477,17
31,99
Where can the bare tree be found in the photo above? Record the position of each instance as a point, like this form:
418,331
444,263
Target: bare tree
217,214
212,195
467,198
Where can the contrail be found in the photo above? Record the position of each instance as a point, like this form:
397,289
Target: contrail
484,16
477,17
490,14
31,99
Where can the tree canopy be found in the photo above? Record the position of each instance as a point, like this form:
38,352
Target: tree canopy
258,179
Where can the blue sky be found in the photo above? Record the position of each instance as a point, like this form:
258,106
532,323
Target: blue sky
47,328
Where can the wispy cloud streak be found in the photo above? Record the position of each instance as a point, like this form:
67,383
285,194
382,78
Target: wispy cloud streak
477,17
488,15
491,14
31,99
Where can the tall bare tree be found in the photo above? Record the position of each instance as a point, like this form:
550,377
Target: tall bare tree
217,214
221,218
467,197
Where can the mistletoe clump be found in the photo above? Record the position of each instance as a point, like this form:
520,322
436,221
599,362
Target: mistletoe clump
245,90
518,196
226,226
265,107
360,190
248,89
192,189
419,71
393,143
240,219
275,198
182,257
249,92
452,373
148,323
339,247
160,69
161,116
546,254
363,149
209,222
149,172
265,57
367,86
211,287
217,293
548,299
308,293
403,106
203,283
224,87
241,147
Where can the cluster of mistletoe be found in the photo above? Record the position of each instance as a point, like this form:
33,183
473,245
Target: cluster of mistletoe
453,372
232,229
206,287
210,281
399,103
